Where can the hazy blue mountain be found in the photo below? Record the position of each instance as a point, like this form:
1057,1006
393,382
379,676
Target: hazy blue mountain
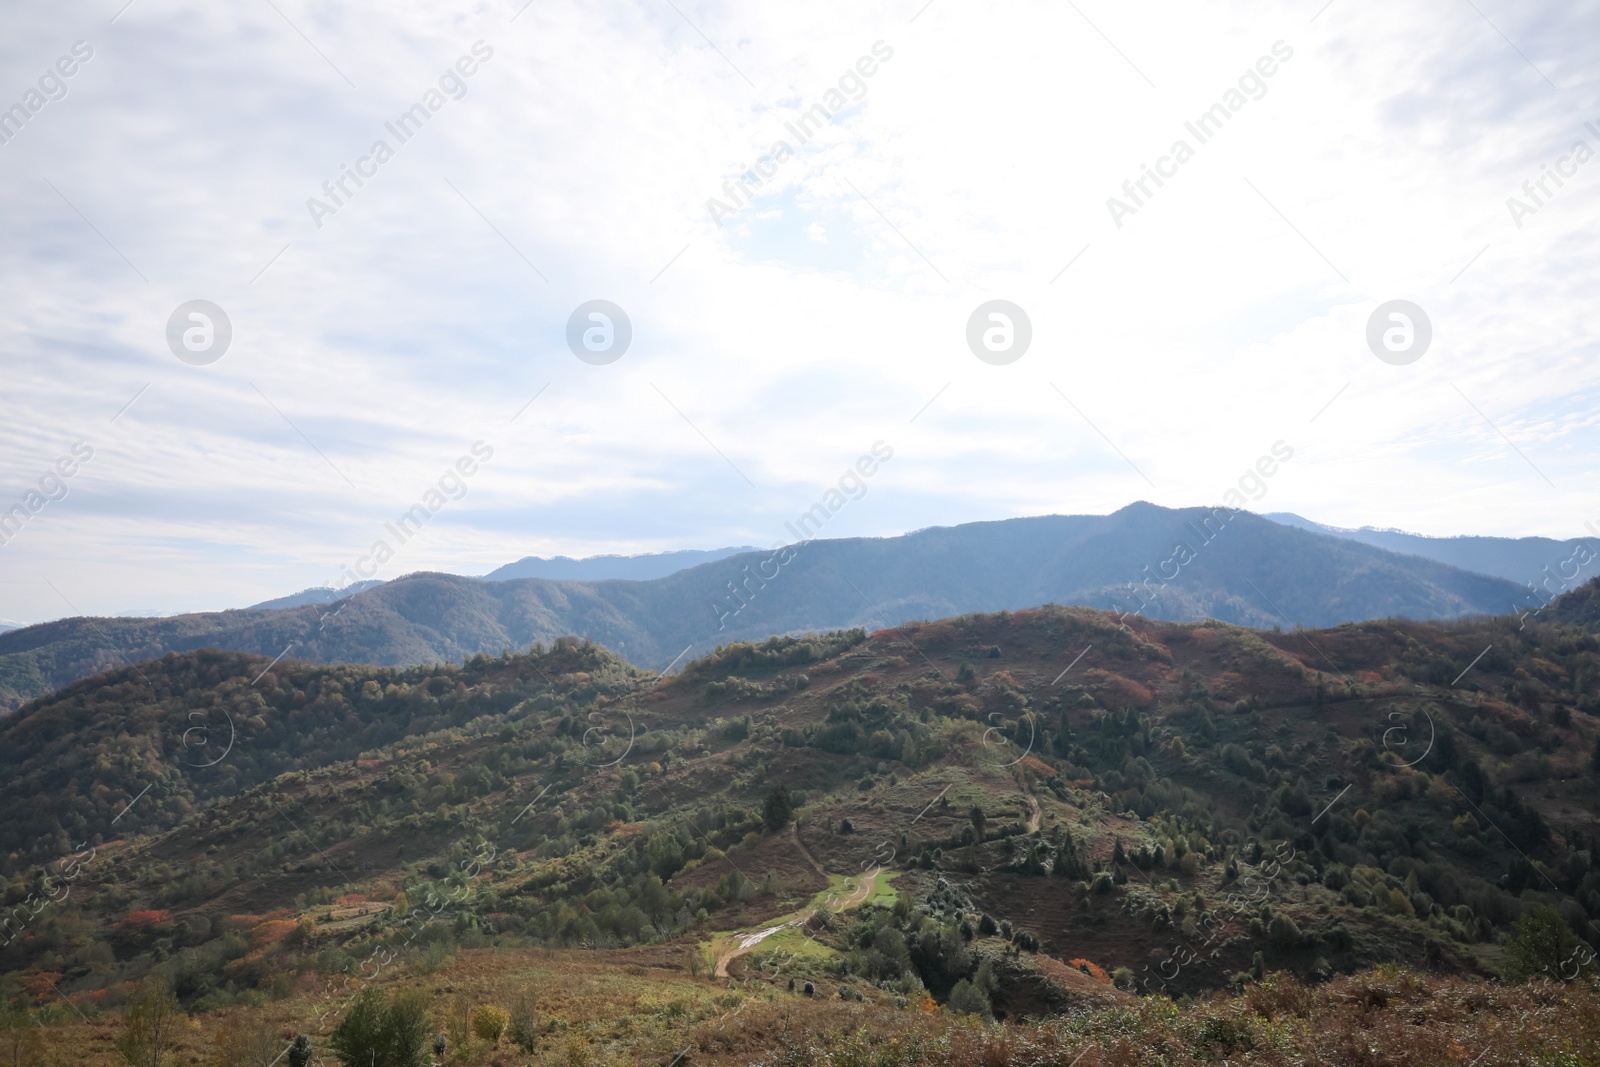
318,595
1522,560
603,568
1245,570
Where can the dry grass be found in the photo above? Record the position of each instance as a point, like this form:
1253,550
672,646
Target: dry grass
637,1007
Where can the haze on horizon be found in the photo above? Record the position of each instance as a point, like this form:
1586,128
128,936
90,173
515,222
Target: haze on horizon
405,337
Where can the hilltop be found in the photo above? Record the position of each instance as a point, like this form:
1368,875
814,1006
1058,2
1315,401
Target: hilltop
1144,560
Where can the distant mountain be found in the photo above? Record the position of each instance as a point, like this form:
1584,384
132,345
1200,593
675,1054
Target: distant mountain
556,568
1522,560
604,568
318,595
1246,570
7,624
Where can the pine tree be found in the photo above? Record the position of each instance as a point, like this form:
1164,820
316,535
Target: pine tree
778,809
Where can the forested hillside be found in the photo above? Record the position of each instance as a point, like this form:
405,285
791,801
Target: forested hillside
1041,809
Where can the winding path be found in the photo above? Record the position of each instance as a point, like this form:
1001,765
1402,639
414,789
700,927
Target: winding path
739,944
794,832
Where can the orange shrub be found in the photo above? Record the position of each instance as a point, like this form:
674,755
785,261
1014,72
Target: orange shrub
272,931
1097,972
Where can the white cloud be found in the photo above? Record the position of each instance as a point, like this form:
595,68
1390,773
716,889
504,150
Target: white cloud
975,164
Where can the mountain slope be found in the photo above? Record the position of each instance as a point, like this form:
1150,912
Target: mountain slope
1524,560
1244,570
1161,800
606,568
317,595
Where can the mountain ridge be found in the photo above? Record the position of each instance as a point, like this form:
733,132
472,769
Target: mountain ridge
1524,560
1235,566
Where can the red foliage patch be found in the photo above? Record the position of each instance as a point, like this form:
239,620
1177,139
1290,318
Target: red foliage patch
1095,971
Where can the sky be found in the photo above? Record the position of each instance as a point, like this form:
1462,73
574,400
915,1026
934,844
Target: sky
795,296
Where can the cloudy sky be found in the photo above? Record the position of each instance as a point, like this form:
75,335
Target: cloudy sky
380,330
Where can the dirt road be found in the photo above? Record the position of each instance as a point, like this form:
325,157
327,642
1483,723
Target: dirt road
739,944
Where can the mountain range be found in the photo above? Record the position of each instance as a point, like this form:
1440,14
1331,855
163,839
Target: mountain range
1524,560
639,568
1182,564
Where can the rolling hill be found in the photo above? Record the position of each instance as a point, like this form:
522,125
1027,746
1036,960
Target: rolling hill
1142,560
1017,814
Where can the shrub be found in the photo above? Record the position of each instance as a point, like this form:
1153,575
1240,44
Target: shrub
149,1032
1542,943
20,1036
522,1026
248,1042
489,1022
1283,931
970,1000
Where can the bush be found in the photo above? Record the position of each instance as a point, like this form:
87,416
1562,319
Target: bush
249,1042
970,1000
522,1026
149,1033
489,1022
1543,943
